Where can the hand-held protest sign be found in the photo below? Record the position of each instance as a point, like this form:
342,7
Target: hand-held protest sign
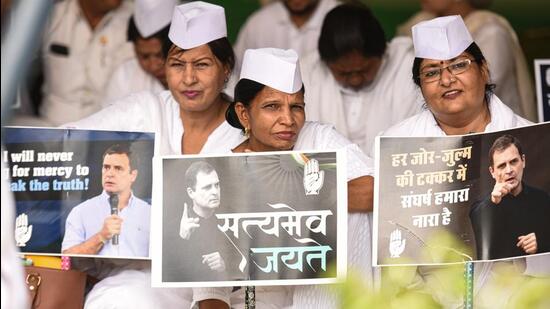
249,219
427,188
62,180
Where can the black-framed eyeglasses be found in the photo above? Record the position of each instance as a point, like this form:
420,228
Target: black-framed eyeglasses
433,74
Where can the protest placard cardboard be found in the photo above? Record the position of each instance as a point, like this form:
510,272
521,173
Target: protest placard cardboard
249,219
56,174
428,188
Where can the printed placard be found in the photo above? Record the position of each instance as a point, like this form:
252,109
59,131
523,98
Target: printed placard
80,192
249,219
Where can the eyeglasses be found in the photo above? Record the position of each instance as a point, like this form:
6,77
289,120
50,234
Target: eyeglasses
434,74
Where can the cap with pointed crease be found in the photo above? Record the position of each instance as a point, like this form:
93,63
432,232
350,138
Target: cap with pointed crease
197,23
441,38
151,16
273,67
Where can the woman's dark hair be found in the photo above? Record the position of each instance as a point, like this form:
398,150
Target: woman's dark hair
351,27
162,35
245,91
475,52
221,48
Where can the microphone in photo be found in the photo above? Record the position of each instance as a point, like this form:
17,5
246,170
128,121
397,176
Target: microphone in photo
113,201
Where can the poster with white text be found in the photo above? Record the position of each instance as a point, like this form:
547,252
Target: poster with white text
249,219
462,198
80,192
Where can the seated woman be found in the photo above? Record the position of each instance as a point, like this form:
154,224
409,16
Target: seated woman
499,42
269,108
189,118
453,76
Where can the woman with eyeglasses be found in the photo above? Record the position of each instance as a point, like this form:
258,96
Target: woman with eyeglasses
454,79
499,42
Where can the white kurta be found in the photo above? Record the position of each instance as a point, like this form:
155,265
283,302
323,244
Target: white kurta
129,285
129,78
315,136
502,118
78,61
391,97
271,27
159,113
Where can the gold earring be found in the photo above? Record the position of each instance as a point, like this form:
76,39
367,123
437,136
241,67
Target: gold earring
247,132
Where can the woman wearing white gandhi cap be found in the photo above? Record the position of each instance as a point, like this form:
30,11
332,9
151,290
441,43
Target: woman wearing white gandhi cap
454,78
189,118
269,108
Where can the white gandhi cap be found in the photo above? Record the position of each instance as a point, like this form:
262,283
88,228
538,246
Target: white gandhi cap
441,38
151,16
197,23
273,67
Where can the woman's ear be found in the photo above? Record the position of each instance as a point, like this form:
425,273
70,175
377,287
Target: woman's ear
242,113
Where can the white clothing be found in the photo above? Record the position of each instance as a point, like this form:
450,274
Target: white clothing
14,289
129,78
316,136
424,124
500,45
271,27
131,288
78,61
159,113
361,115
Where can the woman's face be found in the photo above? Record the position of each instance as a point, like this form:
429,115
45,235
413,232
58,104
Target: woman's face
195,77
274,119
454,94
150,57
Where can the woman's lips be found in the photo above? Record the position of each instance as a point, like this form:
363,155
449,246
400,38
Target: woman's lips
191,94
286,135
452,94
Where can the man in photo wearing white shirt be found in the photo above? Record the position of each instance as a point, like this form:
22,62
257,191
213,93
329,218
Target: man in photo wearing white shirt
96,225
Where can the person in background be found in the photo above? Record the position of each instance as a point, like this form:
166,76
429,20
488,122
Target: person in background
148,32
294,24
453,76
357,81
83,44
499,43
188,118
